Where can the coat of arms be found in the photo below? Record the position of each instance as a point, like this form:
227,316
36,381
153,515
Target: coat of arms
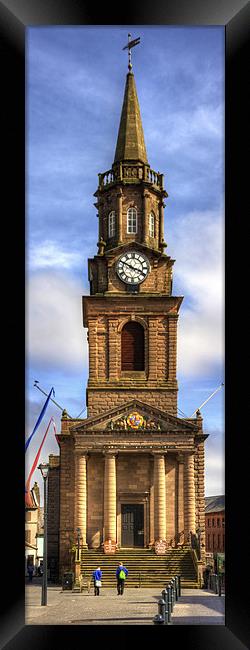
135,420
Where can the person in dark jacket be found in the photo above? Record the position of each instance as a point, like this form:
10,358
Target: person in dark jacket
121,574
97,576
30,572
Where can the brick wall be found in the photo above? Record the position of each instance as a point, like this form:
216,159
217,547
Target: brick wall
215,532
101,401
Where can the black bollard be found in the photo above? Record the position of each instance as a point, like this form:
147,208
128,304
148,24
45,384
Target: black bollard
169,602
219,585
172,594
162,608
158,620
164,594
179,585
176,588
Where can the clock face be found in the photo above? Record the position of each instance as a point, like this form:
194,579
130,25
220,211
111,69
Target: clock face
132,267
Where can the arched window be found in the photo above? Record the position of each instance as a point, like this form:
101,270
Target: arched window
152,224
132,346
111,224
132,220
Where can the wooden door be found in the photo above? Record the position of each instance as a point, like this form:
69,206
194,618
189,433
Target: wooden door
132,345
132,524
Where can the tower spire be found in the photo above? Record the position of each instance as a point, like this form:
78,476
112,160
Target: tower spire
130,142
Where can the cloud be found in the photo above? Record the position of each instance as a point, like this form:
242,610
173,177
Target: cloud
50,254
55,334
198,275
214,464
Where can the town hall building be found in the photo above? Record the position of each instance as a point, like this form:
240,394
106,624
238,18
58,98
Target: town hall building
130,476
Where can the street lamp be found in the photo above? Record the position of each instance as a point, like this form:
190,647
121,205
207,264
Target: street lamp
78,530
199,531
44,469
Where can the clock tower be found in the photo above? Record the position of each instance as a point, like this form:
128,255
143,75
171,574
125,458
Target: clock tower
131,313
131,472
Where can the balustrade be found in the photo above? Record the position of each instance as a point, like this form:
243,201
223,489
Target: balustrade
134,173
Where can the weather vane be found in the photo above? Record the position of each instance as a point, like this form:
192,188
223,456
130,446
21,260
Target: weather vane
130,44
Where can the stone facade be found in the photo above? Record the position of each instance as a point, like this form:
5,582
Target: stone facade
132,459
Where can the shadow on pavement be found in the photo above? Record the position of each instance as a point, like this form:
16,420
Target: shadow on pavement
120,618
201,620
211,603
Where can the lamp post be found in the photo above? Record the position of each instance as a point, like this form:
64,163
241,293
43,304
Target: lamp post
78,530
199,531
44,469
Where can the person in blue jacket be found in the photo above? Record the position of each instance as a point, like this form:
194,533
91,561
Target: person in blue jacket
121,574
97,576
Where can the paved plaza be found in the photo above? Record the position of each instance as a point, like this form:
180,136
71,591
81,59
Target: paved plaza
135,607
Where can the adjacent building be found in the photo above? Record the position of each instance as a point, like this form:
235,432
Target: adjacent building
33,529
215,524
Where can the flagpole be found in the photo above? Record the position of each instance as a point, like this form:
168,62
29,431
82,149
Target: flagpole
52,400
216,391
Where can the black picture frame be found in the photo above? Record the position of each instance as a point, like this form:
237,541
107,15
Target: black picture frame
15,15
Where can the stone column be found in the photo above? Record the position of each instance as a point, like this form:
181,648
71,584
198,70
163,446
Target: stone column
189,496
180,497
112,349
92,338
145,232
152,348
151,515
159,497
119,217
110,496
81,494
161,222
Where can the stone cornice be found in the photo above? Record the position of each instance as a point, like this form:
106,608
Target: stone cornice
167,421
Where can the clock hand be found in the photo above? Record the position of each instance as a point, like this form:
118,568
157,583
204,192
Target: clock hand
131,267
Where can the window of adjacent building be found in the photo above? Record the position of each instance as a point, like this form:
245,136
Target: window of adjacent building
213,542
208,522
132,346
218,522
111,224
223,521
151,224
27,536
213,522
132,220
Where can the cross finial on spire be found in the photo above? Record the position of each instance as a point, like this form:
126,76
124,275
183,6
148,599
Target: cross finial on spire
130,44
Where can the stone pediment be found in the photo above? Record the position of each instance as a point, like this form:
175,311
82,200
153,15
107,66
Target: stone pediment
136,416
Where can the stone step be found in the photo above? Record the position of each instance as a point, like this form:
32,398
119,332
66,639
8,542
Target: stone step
145,567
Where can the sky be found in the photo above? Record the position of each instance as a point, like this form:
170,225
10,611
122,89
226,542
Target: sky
75,80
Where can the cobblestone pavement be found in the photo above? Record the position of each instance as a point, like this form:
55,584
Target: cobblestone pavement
135,607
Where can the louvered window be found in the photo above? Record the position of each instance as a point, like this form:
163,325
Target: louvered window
151,224
132,346
111,224
132,221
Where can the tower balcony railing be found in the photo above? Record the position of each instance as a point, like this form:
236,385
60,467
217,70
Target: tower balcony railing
130,173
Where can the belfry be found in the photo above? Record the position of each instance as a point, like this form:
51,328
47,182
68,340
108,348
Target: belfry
131,472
